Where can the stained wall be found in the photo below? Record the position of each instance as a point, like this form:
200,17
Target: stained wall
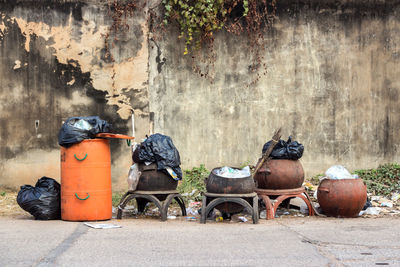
328,75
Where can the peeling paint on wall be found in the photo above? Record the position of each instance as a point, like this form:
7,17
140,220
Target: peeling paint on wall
53,66
111,77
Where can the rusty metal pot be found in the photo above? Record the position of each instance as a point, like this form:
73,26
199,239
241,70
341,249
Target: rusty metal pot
280,174
222,185
342,198
153,180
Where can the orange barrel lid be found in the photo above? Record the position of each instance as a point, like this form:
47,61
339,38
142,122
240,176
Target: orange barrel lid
111,135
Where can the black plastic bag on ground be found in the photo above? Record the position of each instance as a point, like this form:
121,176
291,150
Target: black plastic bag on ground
77,129
159,148
285,149
43,200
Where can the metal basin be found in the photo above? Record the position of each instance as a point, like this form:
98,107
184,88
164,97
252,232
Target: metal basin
222,185
153,180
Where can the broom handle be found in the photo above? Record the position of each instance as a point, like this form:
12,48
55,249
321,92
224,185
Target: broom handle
275,140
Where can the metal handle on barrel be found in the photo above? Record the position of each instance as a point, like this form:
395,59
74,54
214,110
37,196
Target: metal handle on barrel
82,198
323,189
79,158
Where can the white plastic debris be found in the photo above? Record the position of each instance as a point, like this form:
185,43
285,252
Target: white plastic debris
395,197
229,172
338,172
102,225
304,209
370,211
133,177
191,211
387,204
315,195
243,219
263,214
172,217
375,198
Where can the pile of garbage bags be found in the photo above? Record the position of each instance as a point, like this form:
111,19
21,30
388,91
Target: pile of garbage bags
77,129
158,149
43,200
285,149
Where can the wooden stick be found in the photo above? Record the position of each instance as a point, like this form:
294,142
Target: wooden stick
275,140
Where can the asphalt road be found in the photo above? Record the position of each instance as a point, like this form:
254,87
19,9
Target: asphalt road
309,241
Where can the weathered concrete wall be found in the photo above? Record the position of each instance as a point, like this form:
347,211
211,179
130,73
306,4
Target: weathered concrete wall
332,81
54,65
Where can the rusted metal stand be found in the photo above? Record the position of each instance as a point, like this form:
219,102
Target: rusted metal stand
143,197
282,195
216,199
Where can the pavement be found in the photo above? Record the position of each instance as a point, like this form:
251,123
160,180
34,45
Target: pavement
293,241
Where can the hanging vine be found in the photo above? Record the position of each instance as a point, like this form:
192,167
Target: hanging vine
199,20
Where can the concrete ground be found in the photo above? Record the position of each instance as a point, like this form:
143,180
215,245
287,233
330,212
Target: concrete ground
308,241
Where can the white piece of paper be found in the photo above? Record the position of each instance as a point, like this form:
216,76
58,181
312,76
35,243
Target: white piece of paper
102,225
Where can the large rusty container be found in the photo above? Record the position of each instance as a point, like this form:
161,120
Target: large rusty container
280,174
153,180
342,198
222,185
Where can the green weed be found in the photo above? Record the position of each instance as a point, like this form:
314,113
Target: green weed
383,180
192,185
116,198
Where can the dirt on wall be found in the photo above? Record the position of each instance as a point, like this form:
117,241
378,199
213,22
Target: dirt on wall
54,66
331,80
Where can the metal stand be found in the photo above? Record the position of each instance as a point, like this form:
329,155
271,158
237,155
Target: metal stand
143,197
216,199
283,194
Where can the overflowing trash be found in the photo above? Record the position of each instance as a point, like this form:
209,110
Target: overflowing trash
160,149
285,149
43,200
229,172
339,172
193,208
77,129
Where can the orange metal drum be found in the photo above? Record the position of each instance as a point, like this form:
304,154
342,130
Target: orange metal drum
86,181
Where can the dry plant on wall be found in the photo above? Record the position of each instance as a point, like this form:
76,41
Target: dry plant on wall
199,20
119,11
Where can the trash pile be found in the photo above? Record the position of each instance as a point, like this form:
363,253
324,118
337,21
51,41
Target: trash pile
158,149
379,205
229,172
77,129
285,149
42,200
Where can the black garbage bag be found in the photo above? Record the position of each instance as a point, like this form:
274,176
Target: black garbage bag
76,129
43,200
159,148
285,149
